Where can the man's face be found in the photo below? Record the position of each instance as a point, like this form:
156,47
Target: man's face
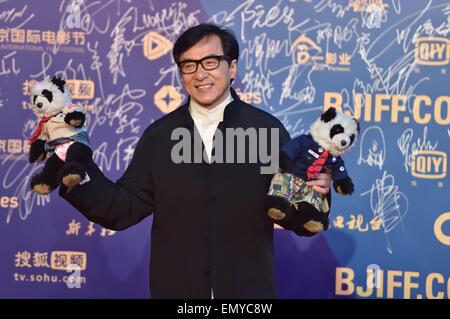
208,88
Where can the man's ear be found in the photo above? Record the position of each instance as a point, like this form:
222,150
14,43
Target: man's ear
233,69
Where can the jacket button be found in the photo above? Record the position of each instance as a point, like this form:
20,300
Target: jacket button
212,198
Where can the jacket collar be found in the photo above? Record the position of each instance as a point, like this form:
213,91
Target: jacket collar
230,114
204,115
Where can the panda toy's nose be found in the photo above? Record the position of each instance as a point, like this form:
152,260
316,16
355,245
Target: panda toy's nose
39,105
343,143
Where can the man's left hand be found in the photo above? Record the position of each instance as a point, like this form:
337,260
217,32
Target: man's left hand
321,184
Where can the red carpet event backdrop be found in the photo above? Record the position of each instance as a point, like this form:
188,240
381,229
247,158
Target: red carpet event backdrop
387,62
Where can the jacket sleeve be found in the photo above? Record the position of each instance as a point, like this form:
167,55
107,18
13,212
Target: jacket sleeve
291,223
121,204
338,170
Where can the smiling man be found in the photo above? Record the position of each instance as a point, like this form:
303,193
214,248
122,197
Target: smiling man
211,235
208,85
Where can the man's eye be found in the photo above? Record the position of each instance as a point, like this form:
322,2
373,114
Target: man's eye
189,66
211,62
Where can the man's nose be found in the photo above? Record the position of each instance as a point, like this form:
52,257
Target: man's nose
201,73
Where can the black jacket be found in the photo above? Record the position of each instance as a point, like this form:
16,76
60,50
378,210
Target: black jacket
210,228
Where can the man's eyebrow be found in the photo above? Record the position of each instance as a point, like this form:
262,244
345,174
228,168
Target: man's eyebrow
206,56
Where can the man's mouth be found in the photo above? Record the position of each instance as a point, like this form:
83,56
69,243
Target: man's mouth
204,86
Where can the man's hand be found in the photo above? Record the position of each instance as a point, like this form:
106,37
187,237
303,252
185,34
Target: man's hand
321,184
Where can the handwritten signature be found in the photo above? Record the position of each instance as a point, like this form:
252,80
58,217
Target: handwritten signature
372,149
121,155
409,149
117,108
18,177
387,203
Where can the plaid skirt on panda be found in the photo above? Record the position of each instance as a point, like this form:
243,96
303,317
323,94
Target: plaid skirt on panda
294,190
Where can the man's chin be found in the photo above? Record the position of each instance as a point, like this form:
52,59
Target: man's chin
207,103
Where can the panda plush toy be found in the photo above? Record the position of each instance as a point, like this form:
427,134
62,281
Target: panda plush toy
300,160
60,138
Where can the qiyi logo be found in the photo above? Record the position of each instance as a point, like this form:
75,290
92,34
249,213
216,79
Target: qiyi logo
432,51
429,164
73,19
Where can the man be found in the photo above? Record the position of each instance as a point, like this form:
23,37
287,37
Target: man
210,232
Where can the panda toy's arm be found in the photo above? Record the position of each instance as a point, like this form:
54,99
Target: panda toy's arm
37,151
344,186
291,151
74,116
342,183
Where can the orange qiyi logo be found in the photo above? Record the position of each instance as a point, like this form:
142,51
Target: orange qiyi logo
432,51
429,164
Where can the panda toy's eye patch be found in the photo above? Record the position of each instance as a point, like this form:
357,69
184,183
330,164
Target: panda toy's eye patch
34,98
48,95
336,129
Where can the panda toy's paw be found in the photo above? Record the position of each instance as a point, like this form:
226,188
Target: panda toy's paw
75,119
344,186
277,208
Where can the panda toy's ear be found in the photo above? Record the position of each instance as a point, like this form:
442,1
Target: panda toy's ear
328,115
59,83
357,124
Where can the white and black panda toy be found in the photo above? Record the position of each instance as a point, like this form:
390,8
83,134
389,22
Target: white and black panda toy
60,137
301,159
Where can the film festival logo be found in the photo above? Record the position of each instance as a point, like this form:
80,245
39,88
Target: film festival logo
242,146
307,52
73,19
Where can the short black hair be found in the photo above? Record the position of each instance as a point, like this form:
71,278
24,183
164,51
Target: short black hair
193,35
